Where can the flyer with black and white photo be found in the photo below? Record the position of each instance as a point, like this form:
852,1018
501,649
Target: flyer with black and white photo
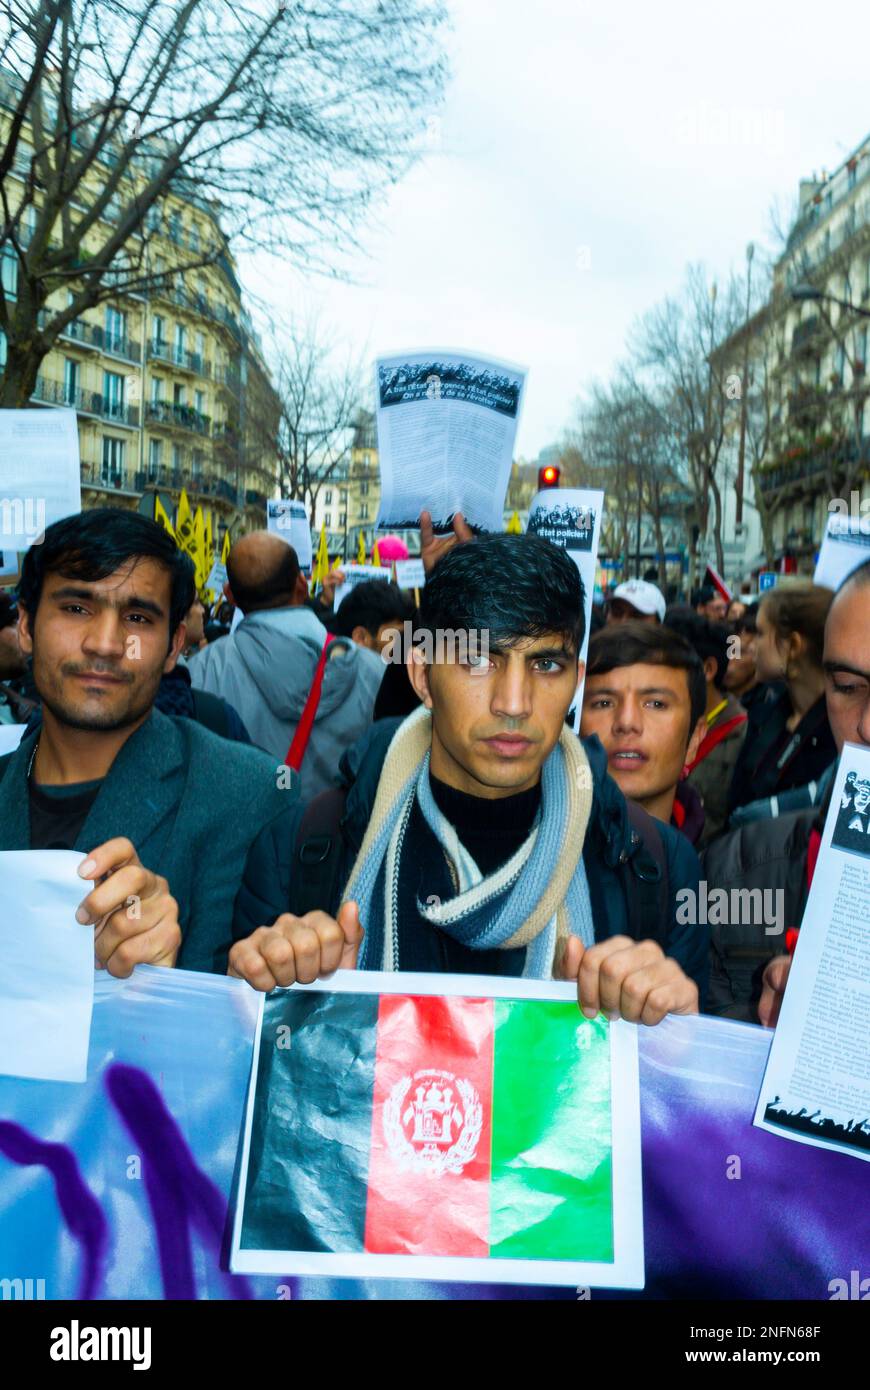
289,518
447,423
816,1086
571,517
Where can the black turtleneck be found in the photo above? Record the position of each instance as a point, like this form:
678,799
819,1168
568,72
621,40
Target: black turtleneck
490,829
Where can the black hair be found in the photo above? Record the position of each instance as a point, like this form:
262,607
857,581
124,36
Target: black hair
707,639
705,594
748,621
370,605
8,611
634,644
511,587
93,544
276,584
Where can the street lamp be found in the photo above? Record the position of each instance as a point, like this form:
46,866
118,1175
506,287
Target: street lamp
808,293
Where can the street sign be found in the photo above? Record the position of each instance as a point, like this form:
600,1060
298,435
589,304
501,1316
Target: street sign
766,580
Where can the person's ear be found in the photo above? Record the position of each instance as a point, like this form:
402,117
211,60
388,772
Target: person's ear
362,636
796,647
176,649
300,592
418,674
228,594
695,740
711,666
581,672
25,632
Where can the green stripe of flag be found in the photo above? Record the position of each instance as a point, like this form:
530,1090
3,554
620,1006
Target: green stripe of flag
551,1134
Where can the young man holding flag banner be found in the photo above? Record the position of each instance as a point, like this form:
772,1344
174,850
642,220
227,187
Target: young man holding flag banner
480,835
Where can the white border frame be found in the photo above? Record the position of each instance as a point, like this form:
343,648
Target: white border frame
626,1271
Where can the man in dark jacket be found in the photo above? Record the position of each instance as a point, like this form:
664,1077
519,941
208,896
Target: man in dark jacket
480,835
166,812
748,961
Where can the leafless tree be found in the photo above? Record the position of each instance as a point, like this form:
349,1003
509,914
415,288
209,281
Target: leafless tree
285,118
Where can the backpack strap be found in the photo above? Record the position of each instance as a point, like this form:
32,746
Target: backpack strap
714,736
211,712
645,875
317,854
296,751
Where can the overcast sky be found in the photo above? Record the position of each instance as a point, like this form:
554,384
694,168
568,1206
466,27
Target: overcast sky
586,152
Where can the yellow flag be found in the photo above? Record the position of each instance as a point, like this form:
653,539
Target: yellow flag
184,524
514,526
209,541
225,548
321,562
361,550
376,556
162,518
199,557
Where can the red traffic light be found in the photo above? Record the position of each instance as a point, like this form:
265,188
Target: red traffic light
549,476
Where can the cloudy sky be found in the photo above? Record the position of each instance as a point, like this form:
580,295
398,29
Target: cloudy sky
586,152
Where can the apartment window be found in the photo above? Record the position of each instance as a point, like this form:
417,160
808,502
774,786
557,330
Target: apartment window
199,398
113,462
178,395
70,380
116,329
156,390
200,349
364,512
364,488
194,237
841,360
176,458
175,227
9,272
158,330
180,341
327,496
155,458
196,465
343,494
853,175
327,519
113,394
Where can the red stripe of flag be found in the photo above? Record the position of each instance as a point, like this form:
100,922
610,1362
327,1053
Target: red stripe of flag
429,1168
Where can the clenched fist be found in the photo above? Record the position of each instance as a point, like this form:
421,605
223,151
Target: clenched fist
628,979
135,915
298,949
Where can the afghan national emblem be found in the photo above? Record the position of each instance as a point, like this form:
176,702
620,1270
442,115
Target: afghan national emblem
432,1122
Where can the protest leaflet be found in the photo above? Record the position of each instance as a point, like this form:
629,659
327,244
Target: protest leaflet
45,1013
39,466
816,1087
289,519
446,422
477,1129
410,574
10,737
571,517
358,574
845,546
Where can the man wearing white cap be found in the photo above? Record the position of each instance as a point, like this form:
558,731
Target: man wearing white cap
636,601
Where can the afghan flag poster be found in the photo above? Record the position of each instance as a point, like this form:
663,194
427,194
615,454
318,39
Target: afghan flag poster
460,1128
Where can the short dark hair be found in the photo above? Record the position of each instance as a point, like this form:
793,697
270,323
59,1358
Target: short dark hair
748,621
370,605
707,639
93,544
635,644
705,594
511,587
8,611
277,584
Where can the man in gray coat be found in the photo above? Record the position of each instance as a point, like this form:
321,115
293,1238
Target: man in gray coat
167,813
265,668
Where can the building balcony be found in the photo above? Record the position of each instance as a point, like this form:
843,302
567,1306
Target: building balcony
805,337
255,499
227,435
101,478
177,417
91,403
93,335
178,357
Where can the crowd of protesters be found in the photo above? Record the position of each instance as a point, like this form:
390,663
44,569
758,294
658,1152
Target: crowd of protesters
283,796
